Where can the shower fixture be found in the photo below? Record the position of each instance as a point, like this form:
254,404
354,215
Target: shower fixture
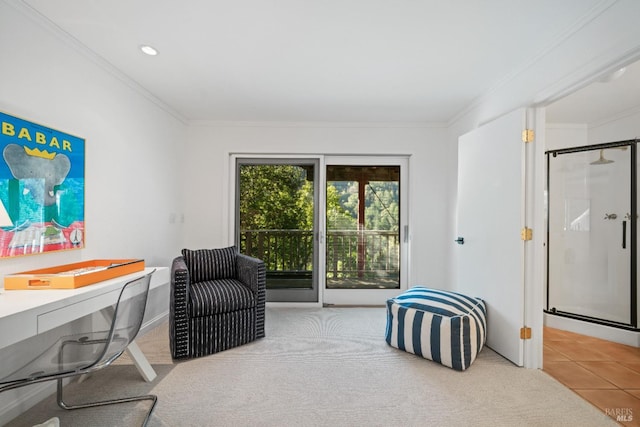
601,160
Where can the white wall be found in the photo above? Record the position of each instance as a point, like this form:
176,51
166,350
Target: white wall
620,128
564,135
133,150
133,147
207,178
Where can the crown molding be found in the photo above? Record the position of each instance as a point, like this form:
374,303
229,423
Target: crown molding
66,38
619,116
598,123
323,125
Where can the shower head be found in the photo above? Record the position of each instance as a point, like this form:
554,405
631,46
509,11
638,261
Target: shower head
601,160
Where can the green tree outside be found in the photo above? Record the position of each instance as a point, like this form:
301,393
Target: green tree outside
279,199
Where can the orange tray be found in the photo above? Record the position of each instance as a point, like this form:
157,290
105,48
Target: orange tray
76,275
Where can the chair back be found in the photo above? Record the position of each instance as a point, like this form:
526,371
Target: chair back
127,319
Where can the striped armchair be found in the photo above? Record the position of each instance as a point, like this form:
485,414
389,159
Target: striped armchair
217,301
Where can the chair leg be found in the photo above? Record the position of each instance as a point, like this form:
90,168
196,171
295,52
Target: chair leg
150,397
63,405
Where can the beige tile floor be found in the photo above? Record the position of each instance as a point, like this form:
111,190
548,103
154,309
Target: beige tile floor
605,373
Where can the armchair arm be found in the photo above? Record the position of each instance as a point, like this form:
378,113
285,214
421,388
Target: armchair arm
179,309
251,271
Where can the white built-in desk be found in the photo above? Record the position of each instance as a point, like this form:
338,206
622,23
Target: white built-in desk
26,313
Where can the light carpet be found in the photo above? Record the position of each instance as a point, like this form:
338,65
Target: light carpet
324,367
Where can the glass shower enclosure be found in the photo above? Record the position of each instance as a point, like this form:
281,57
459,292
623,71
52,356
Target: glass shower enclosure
592,234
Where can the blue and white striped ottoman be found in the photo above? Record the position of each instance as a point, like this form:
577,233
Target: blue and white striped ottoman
446,327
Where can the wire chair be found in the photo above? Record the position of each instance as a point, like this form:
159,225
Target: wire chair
84,353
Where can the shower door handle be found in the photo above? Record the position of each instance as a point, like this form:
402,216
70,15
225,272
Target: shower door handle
624,234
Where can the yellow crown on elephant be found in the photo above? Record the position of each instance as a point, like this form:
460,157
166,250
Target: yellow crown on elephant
37,153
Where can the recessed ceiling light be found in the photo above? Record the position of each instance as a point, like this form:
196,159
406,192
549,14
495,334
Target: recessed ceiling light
149,50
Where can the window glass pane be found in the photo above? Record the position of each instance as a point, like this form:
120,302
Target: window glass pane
276,224
363,227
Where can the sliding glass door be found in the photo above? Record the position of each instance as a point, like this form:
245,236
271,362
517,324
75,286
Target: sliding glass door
330,230
366,239
277,221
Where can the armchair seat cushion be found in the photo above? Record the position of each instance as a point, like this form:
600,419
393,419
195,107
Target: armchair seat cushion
219,296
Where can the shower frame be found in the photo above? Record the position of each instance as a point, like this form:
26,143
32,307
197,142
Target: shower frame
633,321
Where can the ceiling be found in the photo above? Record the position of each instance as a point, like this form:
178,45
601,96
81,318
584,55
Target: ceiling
331,60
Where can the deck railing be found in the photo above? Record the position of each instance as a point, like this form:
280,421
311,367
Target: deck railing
350,253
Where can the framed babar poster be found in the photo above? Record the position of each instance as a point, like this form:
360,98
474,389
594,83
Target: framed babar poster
41,188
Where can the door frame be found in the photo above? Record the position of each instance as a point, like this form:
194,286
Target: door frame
535,252
232,188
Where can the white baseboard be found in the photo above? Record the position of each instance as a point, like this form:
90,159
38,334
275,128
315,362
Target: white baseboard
153,323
